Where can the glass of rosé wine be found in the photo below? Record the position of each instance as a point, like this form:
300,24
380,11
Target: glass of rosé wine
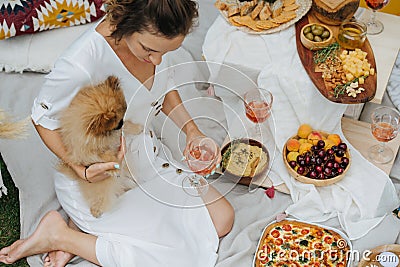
374,26
258,107
385,123
203,156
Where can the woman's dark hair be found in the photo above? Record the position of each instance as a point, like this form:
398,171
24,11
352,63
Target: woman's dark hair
168,18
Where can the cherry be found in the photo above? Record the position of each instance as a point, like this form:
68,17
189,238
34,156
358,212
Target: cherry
321,153
302,163
321,176
293,164
329,165
300,170
312,174
314,148
330,151
318,169
345,160
318,161
327,171
342,146
340,170
299,158
336,165
321,144
340,153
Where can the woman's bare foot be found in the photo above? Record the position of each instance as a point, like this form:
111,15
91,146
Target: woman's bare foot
57,259
44,239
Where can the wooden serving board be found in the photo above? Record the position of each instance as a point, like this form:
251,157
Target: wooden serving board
306,57
371,261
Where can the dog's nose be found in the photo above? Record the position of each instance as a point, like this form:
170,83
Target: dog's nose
120,124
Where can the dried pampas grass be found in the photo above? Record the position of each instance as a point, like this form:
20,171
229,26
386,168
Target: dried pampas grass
11,128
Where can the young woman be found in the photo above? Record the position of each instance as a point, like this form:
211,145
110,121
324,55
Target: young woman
155,224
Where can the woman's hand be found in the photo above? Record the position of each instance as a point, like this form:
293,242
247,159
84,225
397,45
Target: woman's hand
98,171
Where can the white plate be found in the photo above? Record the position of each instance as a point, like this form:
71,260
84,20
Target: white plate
343,235
304,7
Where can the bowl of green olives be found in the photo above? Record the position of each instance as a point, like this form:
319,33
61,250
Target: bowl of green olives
316,36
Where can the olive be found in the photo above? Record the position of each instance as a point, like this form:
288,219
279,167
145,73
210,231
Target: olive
307,29
313,26
325,34
319,27
317,38
317,32
310,36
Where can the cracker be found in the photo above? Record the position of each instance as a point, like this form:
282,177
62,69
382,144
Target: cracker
291,7
265,12
266,24
246,8
233,10
257,10
221,5
233,22
284,17
288,2
277,12
247,21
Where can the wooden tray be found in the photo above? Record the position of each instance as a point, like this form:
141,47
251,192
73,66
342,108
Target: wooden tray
394,248
306,57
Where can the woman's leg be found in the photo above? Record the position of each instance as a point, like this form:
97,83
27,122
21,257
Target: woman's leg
52,234
220,210
60,258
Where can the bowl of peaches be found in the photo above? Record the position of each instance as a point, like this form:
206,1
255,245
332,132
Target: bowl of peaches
316,157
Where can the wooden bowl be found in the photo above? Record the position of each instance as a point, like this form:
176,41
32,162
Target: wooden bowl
313,45
241,178
307,180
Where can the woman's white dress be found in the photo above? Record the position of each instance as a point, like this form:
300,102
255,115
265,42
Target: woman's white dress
157,223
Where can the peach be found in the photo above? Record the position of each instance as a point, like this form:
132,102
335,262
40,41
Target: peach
314,137
304,130
292,156
305,147
335,138
329,143
303,140
293,145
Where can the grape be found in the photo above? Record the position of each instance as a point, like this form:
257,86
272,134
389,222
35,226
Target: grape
342,146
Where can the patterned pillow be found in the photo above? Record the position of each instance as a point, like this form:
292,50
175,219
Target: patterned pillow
19,17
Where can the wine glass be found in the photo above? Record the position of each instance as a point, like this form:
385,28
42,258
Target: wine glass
258,105
375,26
202,156
384,126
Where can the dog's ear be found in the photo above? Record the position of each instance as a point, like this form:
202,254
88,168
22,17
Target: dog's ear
113,82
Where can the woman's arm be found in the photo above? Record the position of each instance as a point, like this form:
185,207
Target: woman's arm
52,140
175,110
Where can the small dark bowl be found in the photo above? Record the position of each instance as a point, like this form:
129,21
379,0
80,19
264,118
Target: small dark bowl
246,180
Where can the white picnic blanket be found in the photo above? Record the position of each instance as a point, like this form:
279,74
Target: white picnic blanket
366,195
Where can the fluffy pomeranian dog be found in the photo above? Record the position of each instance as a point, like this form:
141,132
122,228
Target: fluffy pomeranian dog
91,128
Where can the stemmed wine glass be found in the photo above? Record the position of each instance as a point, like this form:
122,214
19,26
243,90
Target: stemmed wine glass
375,26
202,156
258,105
384,126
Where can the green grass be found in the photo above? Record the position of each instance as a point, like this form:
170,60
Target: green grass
9,214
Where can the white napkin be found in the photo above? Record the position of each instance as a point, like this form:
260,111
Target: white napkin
3,188
366,194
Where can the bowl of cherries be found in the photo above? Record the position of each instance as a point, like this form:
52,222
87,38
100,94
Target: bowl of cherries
316,157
